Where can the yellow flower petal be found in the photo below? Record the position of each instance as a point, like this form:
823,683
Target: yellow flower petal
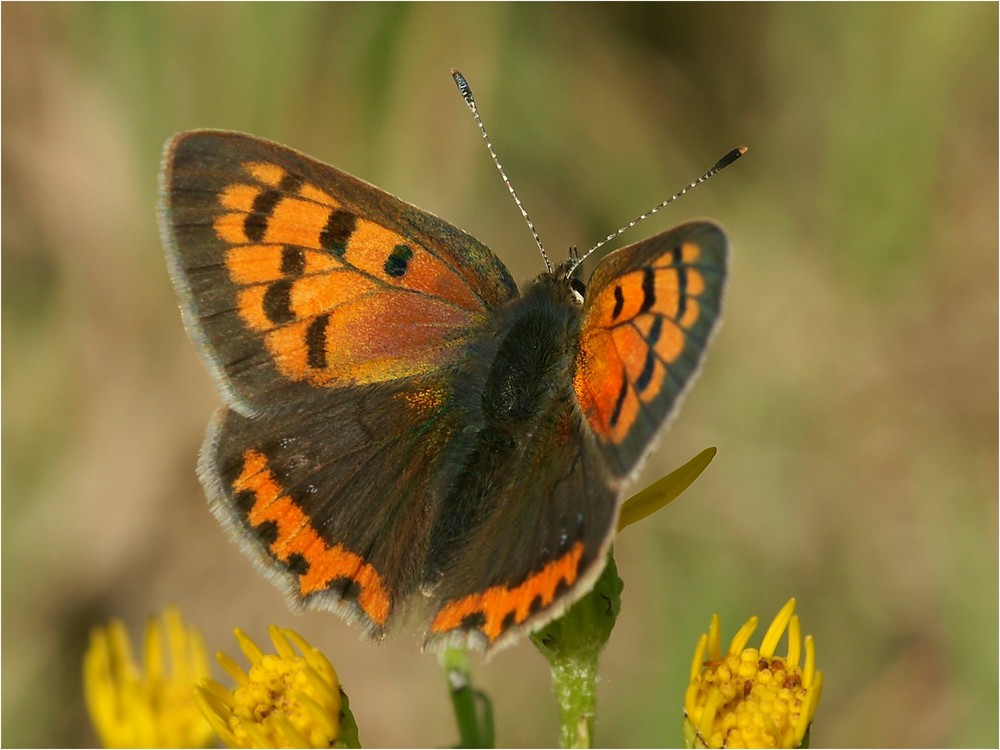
777,628
154,707
742,636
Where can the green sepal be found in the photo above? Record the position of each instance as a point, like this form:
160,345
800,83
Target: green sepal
804,745
690,734
348,734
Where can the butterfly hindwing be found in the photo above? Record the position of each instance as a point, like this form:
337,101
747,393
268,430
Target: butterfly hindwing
538,550
328,499
649,313
296,277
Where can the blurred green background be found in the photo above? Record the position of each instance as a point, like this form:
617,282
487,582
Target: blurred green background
852,391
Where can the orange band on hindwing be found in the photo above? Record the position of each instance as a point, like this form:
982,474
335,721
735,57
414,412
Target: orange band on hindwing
495,610
296,543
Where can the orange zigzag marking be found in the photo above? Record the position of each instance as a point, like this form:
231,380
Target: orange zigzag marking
296,535
497,602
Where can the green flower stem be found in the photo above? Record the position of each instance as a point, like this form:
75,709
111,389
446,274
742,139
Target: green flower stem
575,681
473,710
572,645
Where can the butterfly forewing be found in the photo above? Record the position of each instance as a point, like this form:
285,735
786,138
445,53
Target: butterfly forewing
297,277
650,310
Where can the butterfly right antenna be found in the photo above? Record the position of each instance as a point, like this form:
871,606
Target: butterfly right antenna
463,87
721,164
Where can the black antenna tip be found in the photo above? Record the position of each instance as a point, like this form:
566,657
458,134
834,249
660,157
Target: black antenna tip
729,158
463,85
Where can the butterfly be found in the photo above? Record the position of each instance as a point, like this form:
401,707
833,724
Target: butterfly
401,423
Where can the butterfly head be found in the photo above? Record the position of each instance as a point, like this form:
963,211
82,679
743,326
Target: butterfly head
565,272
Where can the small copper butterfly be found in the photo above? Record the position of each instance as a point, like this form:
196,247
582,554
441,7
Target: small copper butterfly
399,418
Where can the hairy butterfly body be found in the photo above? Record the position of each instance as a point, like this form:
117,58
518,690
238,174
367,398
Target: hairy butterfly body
400,423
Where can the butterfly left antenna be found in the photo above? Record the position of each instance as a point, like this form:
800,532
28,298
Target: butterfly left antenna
463,87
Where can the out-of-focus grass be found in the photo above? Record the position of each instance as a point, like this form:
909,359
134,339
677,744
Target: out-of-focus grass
852,391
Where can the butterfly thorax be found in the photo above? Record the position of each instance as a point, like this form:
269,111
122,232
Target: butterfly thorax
535,338
517,372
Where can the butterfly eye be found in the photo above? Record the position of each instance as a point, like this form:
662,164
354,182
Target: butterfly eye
578,287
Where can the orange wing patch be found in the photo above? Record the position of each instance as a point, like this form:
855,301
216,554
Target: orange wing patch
493,611
262,264
299,546
376,338
340,299
270,174
633,329
297,222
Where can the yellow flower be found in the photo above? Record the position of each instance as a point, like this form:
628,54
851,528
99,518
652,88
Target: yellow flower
134,708
750,697
287,699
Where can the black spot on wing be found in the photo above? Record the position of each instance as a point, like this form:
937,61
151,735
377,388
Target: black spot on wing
473,621
267,532
298,564
316,342
244,501
346,587
508,620
619,402
648,290
278,302
649,366
290,183
619,303
398,260
260,213
293,261
338,230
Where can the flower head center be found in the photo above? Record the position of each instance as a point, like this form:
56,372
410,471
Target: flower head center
749,697
287,699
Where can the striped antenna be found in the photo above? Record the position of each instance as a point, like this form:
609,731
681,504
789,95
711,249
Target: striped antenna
463,87
721,164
